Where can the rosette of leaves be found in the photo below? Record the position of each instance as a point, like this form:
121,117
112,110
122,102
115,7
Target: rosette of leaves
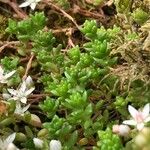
108,140
60,129
123,6
140,16
26,30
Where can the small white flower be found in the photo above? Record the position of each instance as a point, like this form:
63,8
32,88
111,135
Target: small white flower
38,143
55,145
31,3
139,117
4,77
122,130
7,144
22,93
21,110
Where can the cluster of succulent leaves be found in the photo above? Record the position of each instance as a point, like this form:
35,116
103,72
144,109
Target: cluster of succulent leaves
136,10
108,140
72,79
77,81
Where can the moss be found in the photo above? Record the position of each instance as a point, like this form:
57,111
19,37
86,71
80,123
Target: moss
3,25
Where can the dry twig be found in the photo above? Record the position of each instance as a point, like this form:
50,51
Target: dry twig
62,11
86,13
8,44
16,8
28,66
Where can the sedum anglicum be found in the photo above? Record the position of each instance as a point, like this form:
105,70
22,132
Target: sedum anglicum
139,118
23,91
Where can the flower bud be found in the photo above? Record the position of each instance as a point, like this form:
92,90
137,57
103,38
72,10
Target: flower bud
42,132
55,145
35,121
21,137
6,122
122,130
83,141
38,143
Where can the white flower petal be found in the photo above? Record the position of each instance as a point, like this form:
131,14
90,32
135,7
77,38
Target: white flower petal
140,126
3,80
14,98
147,119
130,122
23,100
8,75
37,1
28,81
12,92
132,111
18,108
146,110
1,71
38,142
28,92
25,4
23,87
10,138
24,109
33,5
21,110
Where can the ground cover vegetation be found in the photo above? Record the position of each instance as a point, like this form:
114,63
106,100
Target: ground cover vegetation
74,75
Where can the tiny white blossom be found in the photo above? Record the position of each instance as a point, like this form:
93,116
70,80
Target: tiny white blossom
139,117
21,110
22,93
55,145
31,3
4,77
7,144
38,143
122,130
